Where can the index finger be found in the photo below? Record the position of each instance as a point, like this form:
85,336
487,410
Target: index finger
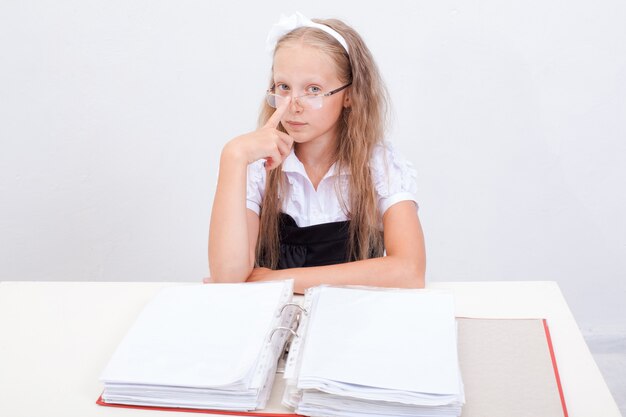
278,114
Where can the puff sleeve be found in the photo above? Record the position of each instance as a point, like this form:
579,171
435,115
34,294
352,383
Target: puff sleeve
394,177
255,187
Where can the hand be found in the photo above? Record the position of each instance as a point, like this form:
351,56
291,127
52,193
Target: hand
267,143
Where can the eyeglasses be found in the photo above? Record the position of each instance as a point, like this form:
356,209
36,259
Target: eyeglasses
307,101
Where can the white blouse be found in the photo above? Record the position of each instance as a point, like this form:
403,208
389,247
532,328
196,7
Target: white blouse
393,176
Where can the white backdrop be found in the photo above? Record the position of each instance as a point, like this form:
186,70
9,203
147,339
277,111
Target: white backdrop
113,114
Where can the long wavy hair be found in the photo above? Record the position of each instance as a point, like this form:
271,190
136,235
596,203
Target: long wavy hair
361,127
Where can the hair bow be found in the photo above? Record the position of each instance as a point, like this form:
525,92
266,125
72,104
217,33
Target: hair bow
288,23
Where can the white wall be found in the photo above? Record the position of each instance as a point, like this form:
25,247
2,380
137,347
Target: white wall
113,114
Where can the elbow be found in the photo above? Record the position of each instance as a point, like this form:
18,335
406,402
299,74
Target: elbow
229,273
420,279
416,277
228,269
417,270
412,274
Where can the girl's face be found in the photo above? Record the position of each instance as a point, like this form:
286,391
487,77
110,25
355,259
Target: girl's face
300,70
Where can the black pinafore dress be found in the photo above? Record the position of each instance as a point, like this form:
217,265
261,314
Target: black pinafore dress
317,245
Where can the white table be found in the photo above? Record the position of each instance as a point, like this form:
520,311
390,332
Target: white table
56,338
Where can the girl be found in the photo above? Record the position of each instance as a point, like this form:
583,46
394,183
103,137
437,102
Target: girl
315,194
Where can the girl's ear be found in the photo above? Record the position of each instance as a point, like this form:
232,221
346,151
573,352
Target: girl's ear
346,101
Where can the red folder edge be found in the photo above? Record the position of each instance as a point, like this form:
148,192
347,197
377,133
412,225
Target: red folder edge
556,369
100,401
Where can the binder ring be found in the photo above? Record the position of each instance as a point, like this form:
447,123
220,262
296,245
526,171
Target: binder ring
289,329
304,310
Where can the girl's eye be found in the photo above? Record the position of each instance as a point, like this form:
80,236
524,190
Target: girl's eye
314,90
281,89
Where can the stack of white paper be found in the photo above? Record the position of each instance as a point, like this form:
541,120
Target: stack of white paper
364,352
202,346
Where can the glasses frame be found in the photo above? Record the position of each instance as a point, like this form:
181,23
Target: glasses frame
271,92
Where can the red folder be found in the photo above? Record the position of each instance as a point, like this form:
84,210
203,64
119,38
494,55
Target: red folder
261,413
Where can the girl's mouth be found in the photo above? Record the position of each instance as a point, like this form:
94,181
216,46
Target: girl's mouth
296,125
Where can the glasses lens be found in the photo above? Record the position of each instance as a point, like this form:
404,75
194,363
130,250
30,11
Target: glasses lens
311,102
272,100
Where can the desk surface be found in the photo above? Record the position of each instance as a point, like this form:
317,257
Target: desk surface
56,338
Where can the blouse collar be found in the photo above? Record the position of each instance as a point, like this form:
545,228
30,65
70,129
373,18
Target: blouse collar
292,164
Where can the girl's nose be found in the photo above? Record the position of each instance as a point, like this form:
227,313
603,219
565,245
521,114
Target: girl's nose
295,105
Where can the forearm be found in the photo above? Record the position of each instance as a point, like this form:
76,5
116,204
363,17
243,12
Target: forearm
231,242
229,259
388,271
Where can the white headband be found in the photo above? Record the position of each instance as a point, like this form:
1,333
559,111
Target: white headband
288,23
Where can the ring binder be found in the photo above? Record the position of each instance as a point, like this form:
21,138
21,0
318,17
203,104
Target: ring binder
331,365
281,328
304,310
297,319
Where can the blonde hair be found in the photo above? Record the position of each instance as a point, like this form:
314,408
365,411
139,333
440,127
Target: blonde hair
361,127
